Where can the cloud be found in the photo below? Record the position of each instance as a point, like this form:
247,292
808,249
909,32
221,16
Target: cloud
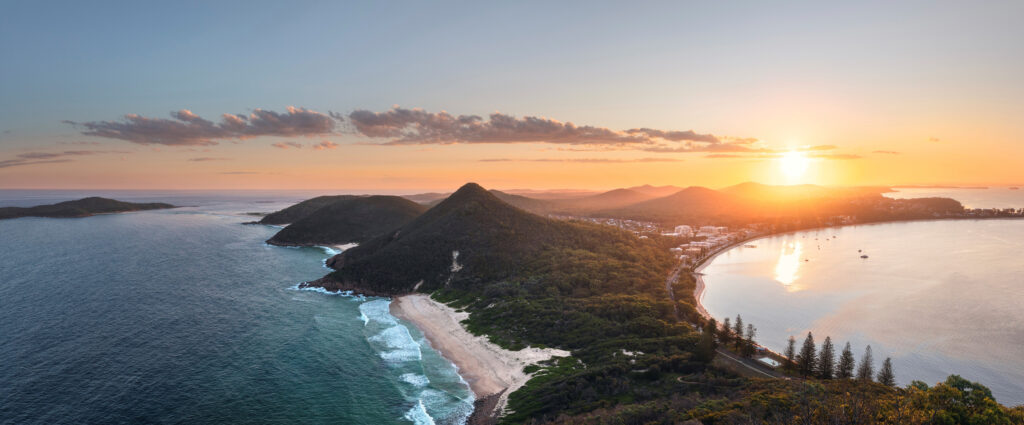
286,145
834,156
239,172
326,144
582,160
187,128
887,152
30,158
208,158
418,127
725,155
934,139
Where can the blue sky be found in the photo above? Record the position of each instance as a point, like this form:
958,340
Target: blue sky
859,75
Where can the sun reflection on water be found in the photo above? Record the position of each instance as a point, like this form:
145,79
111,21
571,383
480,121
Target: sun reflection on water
788,266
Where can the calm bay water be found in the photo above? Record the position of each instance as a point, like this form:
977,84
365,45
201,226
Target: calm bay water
939,297
186,316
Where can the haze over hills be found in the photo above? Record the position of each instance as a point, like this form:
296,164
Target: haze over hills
80,208
349,220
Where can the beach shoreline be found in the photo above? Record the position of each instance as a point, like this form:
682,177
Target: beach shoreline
491,371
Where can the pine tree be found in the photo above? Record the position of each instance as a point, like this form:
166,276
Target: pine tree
706,345
738,332
748,346
845,369
805,360
725,336
867,367
885,376
790,353
826,359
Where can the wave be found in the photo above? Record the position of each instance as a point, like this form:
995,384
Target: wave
418,415
346,294
415,379
395,341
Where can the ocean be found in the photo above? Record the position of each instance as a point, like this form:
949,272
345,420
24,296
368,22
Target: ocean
939,297
187,316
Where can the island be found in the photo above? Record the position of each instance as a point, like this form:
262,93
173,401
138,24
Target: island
84,207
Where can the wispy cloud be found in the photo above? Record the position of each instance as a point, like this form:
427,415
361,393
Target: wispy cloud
834,156
326,144
239,172
30,158
287,145
187,128
934,139
418,127
887,152
583,160
208,158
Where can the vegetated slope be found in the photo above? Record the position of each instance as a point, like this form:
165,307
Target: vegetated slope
655,191
617,198
80,208
599,292
348,220
525,203
302,209
474,238
694,204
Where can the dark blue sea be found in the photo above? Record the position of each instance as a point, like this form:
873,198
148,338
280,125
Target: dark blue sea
187,316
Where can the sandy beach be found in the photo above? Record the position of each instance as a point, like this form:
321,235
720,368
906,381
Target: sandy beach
698,290
489,369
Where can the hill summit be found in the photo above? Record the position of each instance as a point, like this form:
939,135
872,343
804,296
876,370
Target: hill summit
471,240
349,219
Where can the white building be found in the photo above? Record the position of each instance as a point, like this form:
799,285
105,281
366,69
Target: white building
684,230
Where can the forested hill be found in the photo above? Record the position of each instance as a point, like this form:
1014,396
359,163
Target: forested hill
80,208
349,219
472,239
600,293
302,209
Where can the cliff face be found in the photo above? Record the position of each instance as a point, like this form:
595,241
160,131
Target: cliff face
80,208
348,220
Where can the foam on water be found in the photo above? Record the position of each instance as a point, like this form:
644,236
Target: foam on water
418,415
415,379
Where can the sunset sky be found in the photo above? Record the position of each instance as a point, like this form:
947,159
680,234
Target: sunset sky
425,96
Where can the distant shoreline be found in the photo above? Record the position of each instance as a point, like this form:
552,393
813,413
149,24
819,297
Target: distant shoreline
698,292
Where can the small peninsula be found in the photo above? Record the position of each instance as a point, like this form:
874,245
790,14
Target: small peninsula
84,207
345,220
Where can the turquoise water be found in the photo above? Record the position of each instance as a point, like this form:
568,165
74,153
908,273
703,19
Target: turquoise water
186,316
939,297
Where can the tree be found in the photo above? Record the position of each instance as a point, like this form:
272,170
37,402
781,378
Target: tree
805,360
748,346
867,367
845,369
885,376
826,359
706,345
725,336
738,331
790,353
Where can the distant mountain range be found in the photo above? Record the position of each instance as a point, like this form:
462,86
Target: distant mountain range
84,207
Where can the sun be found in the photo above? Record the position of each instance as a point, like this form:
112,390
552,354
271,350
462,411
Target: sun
794,165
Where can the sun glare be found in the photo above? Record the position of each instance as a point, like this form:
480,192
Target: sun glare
794,165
